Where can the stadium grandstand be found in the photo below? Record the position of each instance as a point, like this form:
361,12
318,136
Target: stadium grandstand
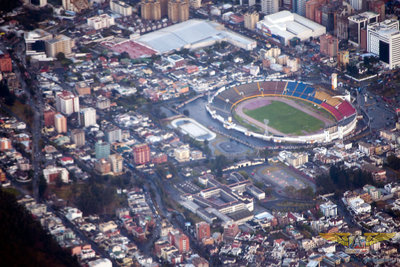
223,102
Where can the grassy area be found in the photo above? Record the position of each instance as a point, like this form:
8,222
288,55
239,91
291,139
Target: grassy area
11,191
249,126
286,118
320,111
23,111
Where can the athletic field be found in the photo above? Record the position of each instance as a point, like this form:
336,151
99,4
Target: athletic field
286,118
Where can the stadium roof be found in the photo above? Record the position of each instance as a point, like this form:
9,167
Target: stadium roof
288,25
192,34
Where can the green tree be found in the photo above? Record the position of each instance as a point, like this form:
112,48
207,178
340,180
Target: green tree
60,56
42,186
393,162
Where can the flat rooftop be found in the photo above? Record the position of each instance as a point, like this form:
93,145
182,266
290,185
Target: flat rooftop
193,32
134,49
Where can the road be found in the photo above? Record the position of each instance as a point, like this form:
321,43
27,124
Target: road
36,103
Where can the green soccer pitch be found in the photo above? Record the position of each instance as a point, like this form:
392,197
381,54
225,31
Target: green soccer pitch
286,118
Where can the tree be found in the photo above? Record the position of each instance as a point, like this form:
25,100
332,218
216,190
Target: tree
7,5
124,55
42,186
59,181
393,162
186,112
60,56
220,162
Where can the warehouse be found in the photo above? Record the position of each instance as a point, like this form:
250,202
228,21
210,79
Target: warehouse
285,26
193,34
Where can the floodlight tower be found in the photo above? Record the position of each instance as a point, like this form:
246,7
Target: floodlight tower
226,102
266,122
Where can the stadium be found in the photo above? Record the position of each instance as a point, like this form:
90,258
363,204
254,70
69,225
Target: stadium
283,111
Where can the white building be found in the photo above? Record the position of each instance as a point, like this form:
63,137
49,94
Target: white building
269,6
359,22
383,39
35,43
73,213
67,103
356,4
121,8
193,34
52,173
59,44
358,206
182,154
285,26
117,163
87,117
103,262
100,22
329,209
113,134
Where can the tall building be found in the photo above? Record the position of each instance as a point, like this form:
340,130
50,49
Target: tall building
78,137
113,134
377,6
121,8
67,103
299,7
179,240
102,166
52,173
141,154
75,5
48,116
60,123
269,6
59,44
5,144
329,209
39,3
101,21
342,27
230,231
117,164
5,63
251,19
311,7
358,22
383,39
35,43
343,58
164,8
328,45
87,117
357,4
247,2
287,4
151,9
178,10
202,231
102,150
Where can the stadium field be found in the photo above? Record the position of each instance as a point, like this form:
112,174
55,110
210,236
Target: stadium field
286,118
